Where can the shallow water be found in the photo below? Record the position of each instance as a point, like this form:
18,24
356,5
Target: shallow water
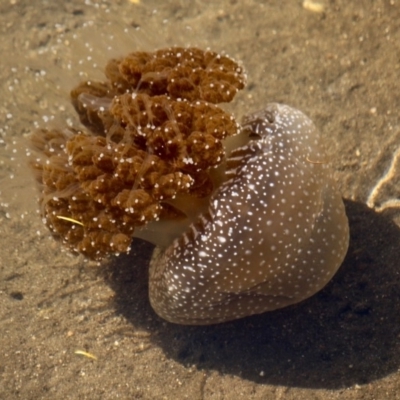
340,67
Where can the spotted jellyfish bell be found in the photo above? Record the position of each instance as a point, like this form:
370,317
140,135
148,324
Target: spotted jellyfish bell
275,232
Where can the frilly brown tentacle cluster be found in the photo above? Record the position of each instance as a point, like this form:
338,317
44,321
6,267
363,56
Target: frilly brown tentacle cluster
153,133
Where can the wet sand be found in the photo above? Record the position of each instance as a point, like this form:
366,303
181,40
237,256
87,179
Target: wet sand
341,67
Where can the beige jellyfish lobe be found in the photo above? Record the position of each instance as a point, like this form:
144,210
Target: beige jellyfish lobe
276,230
277,224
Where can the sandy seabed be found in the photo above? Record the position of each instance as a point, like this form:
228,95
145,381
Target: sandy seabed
341,67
